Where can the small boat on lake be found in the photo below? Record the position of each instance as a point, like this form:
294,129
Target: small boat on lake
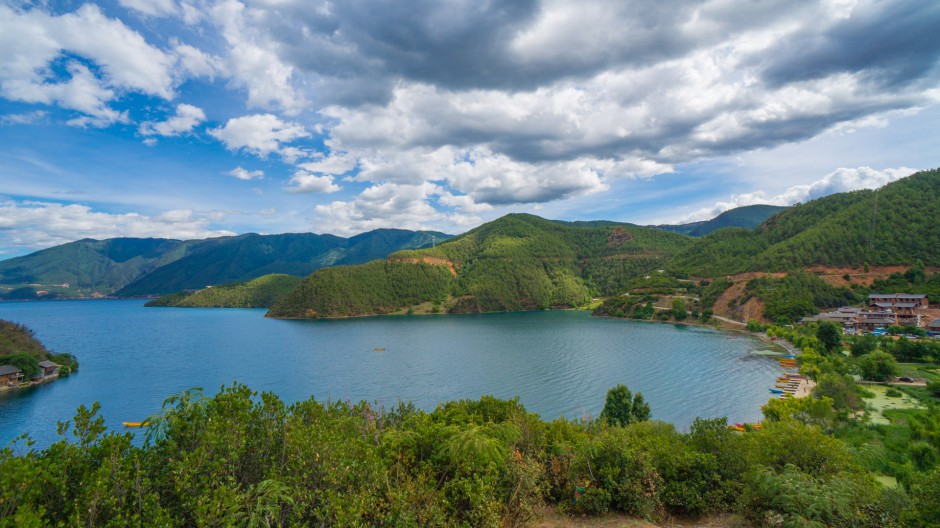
135,424
776,391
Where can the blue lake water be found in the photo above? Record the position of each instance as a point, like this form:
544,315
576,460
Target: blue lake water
559,363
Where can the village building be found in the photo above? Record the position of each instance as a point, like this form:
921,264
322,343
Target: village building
901,309
933,327
49,368
10,376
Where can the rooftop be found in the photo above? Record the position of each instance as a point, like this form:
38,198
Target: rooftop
8,369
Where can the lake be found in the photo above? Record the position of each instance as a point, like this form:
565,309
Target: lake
559,363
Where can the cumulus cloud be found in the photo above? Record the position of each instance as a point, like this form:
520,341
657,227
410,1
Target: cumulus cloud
246,175
183,122
37,225
34,40
304,182
252,60
383,205
552,99
469,107
837,181
261,134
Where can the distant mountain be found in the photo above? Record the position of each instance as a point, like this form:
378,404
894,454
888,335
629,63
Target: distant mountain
131,267
748,216
250,256
87,266
257,293
894,225
517,262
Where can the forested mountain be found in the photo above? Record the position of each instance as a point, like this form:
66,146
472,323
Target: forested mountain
250,256
90,265
896,224
257,293
129,267
748,216
518,262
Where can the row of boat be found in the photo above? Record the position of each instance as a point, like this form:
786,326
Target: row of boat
785,387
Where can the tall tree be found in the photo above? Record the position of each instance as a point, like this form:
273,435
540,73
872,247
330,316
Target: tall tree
622,408
829,335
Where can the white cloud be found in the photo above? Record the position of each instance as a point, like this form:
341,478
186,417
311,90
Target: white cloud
837,181
186,118
152,7
252,60
37,225
261,134
304,182
246,175
197,63
27,118
383,205
32,40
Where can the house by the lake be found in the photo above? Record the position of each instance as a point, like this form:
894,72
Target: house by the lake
49,369
10,376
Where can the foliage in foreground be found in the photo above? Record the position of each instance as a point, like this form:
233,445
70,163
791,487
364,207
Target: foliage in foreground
242,459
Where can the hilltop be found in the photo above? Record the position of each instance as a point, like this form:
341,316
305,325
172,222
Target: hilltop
517,262
893,225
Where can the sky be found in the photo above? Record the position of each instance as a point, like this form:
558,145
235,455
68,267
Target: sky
200,118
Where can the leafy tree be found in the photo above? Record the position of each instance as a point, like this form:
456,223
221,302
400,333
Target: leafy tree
622,408
863,344
877,366
679,312
829,335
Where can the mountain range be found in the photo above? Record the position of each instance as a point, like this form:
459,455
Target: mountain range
523,262
137,267
517,262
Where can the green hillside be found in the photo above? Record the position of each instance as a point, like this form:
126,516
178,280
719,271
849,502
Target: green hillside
896,224
518,262
86,266
250,256
748,217
257,293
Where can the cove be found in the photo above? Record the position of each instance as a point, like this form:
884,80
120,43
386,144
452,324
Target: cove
559,363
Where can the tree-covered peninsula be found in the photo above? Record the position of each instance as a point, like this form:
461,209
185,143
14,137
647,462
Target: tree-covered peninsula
518,262
258,293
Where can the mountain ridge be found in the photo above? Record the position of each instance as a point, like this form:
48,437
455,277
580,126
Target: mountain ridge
120,266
